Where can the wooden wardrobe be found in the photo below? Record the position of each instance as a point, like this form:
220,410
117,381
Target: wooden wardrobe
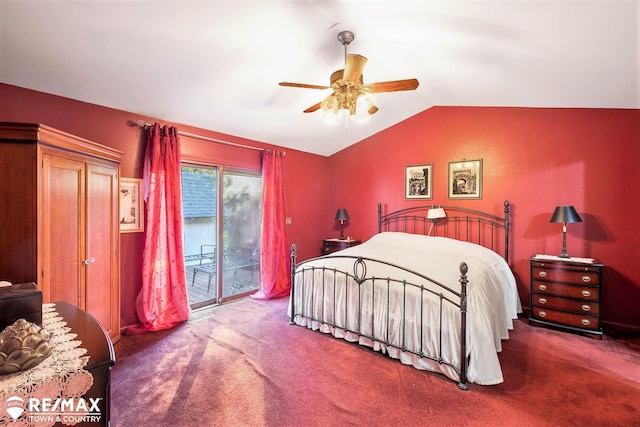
59,222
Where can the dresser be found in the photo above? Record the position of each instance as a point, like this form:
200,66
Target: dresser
566,295
73,384
333,245
101,354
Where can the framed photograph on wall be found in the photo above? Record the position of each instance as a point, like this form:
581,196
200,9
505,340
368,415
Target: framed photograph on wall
418,181
465,179
131,205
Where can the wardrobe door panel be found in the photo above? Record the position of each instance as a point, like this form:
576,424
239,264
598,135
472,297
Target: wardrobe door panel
63,245
101,265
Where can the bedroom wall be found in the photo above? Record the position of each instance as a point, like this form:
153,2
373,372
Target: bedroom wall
535,158
306,194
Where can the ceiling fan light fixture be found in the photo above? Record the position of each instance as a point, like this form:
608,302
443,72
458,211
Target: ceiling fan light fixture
330,104
363,102
331,117
364,107
330,108
360,116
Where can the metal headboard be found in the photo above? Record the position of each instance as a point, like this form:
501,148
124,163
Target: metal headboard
461,223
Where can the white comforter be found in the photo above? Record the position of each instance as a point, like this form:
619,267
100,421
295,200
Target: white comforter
493,301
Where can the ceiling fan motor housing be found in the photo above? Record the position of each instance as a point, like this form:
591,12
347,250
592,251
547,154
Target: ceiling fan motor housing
345,37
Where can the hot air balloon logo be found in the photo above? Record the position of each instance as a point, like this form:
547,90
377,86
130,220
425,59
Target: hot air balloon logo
15,406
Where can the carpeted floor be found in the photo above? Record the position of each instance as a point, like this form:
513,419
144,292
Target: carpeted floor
242,364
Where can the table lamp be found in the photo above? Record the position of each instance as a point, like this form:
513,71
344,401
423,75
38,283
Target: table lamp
565,214
342,215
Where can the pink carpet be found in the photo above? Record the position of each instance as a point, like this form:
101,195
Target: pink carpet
246,366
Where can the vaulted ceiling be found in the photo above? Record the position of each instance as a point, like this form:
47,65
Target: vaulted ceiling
217,64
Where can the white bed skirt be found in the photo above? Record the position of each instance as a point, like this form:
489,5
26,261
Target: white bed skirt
404,357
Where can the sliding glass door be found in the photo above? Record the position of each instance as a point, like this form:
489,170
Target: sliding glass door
242,195
221,245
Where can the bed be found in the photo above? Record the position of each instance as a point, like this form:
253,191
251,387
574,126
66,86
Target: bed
437,294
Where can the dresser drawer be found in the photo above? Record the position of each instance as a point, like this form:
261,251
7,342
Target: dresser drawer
333,245
569,319
586,293
586,275
566,304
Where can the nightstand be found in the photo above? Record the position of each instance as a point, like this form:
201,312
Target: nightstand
565,295
333,245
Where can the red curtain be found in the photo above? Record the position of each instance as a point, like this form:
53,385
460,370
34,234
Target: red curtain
275,266
162,301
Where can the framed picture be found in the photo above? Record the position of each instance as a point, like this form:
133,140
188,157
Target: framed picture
131,205
418,181
465,179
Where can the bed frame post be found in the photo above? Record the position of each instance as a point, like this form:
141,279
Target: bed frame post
293,284
507,209
464,268
379,218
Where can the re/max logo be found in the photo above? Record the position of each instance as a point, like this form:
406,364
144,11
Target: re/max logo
60,405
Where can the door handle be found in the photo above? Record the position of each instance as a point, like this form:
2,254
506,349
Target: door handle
89,261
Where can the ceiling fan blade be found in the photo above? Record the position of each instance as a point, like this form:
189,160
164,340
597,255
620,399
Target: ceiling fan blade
314,107
303,85
393,86
353,68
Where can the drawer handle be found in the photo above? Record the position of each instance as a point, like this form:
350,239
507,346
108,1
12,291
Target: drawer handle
586,293
586,322
543,314
586,307
586,279
544,274
542,287
542,300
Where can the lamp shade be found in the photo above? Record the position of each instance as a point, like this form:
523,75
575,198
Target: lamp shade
436,213
565,214
342,214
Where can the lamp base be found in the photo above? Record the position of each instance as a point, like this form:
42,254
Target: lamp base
564,242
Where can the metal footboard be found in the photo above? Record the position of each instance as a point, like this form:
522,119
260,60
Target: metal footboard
310,282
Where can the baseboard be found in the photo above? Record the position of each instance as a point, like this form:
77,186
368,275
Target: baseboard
124,328
613,328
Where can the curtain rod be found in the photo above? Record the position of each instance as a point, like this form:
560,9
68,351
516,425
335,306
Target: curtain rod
142,124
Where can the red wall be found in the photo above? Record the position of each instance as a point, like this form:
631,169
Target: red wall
535,158
306,190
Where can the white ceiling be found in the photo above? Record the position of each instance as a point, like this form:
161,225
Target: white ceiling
216,64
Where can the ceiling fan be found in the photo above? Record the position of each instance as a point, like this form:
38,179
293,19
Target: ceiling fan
350,93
